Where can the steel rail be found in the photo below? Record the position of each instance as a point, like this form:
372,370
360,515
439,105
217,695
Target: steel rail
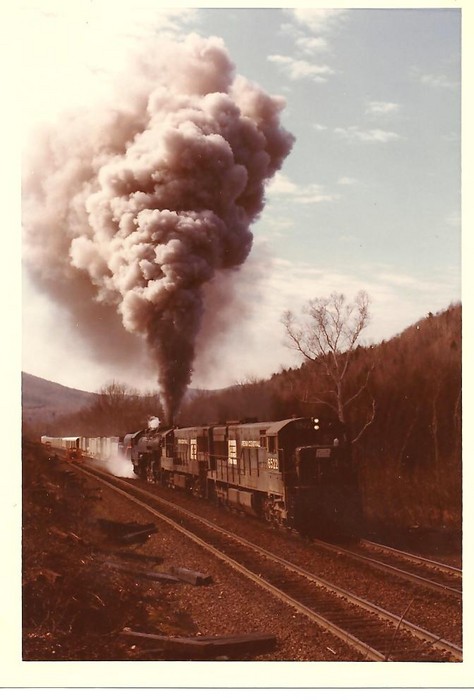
416,558
359,645
435,640
376,564
416,630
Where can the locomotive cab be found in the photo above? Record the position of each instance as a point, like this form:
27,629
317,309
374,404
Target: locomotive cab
321,489
296,472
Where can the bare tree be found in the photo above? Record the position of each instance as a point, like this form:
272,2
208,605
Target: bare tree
119,408
326,337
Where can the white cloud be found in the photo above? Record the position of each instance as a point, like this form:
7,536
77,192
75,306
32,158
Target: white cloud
298,69
399,279
313,194
257,347
346,181
435,80
409,298
319,127
312,44
274,226
438,81
282,186
353,133
312,32
74,50
375,108
319,21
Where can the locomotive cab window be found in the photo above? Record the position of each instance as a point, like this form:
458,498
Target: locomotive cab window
272,446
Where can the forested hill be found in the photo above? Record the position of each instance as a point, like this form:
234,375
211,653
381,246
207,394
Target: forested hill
44,401
408,391
425,357
407,396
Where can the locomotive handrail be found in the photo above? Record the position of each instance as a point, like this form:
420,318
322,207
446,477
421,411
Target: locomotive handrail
268,471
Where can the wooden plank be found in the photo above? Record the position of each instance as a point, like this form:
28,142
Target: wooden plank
144,533
126,533
209,647
194,577
143,573
139,557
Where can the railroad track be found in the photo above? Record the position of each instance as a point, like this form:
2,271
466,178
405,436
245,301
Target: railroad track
453,571
375,633
425,572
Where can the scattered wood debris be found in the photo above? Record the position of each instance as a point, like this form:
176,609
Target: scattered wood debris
143,573
208,647
139,535
150,559
127,533
175,574
65,535
194,577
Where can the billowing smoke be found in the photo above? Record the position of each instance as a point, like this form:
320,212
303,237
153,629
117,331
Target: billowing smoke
133,209
118,465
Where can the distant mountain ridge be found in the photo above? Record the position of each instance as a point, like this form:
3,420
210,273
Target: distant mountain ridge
43,400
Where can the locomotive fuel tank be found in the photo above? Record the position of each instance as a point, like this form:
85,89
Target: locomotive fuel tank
296,472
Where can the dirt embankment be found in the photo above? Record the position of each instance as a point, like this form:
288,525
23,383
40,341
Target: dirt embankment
74,606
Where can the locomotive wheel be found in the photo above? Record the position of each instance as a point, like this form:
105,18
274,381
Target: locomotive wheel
270,513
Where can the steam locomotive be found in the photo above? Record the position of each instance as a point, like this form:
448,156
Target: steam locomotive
295,472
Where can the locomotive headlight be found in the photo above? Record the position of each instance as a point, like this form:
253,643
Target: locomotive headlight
316,423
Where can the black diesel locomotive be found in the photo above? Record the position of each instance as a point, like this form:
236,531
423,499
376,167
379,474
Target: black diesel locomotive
294,472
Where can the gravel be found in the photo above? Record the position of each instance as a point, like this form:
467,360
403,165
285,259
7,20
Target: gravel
229,605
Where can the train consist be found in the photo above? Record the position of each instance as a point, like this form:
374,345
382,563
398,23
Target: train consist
102,448
294,472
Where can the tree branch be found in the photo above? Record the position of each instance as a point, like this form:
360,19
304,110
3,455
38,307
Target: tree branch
364,386
367,423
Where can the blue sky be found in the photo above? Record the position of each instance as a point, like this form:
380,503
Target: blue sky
369,198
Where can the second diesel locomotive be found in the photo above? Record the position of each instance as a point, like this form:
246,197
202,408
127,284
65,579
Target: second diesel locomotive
296,472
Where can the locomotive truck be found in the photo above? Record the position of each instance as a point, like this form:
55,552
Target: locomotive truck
296,473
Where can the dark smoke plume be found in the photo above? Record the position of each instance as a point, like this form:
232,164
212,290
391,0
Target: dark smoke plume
134,209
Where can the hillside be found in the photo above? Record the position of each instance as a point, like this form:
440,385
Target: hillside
408,460
44,401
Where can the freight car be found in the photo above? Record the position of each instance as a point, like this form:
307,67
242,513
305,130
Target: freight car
70,445
296,472
102,448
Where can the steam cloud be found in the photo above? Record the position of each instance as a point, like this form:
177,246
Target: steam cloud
134,209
